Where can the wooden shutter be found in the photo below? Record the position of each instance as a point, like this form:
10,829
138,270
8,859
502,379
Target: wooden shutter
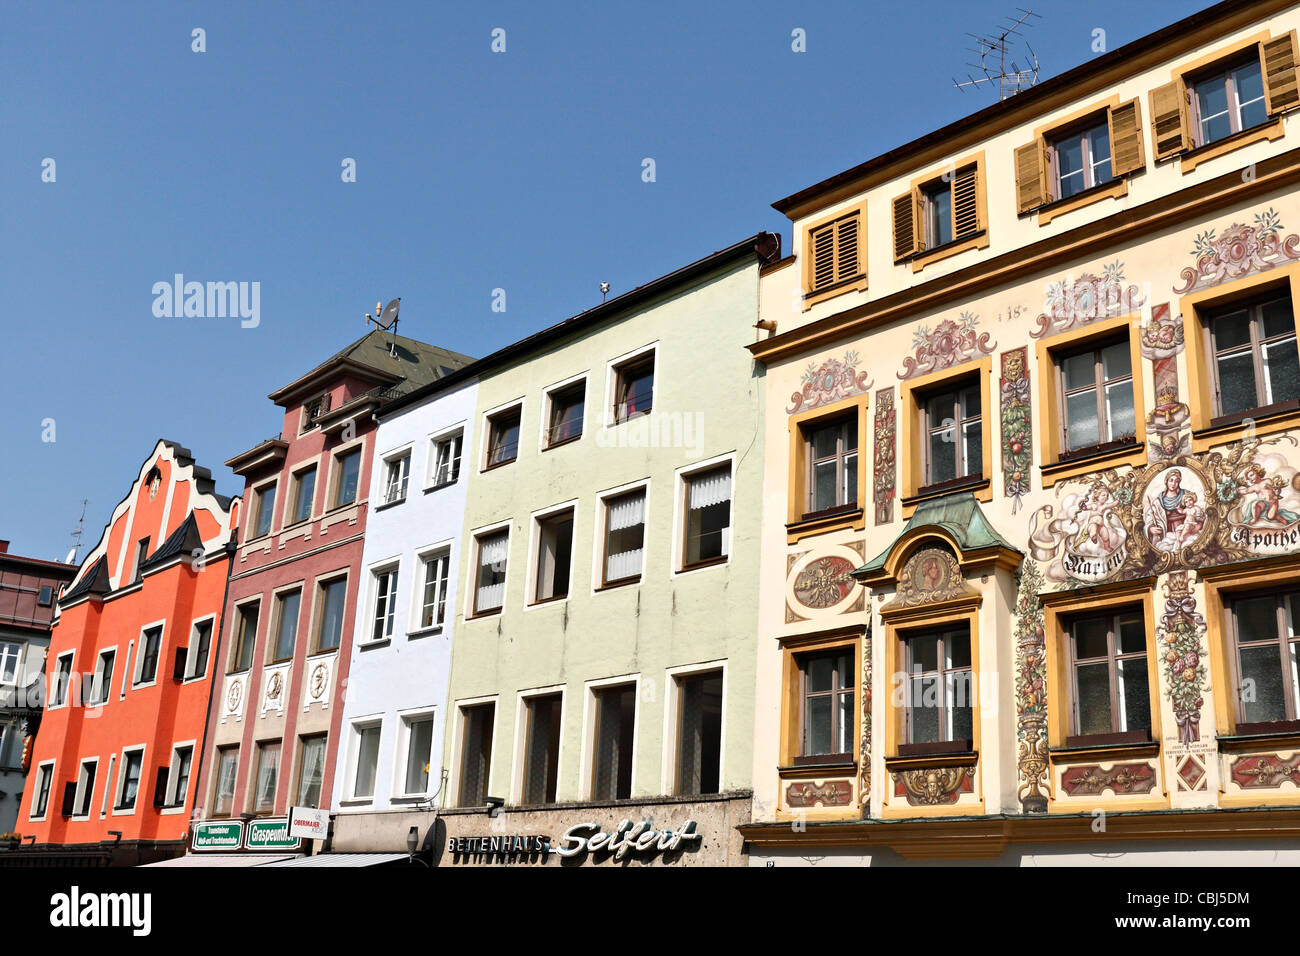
69,798
1281,88
1126,150
1031,176
178,667
822,245
847,248
965,203
1170,132
907,227
160,787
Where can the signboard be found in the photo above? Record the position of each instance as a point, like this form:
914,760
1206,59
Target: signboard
270,835
308,823
638,839
217,835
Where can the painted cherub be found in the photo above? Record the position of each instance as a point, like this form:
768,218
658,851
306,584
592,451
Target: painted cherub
1193,520
1095,517
1261,498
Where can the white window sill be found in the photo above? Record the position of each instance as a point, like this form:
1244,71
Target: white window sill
425,631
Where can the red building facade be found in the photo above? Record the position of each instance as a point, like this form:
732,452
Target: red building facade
289,614
129,668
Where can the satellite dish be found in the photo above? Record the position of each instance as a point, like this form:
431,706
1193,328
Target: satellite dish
389,315
71,556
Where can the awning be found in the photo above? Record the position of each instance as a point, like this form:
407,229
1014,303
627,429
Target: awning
344,859
227,859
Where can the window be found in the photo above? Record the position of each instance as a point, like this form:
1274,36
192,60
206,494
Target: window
1263,628
62,678
937,200
615,735
1253,345
490,580
433,607
268,776
85,792
179,776
554,556
831,449
330,596
1228,101
141,552
385,604
708,517
41,801
146,655
953,446
128,779
103,677
46,596
476,753
1081,160
503,437
542,747
826,714
1107,655
223,802
699,730
397,473
245,636
312,410
417,732
311,770
446,458
939,691
348,468
564,423
1080,154
634,385
286,626
264,510
624,538
200,648
10,652
1096,396
304,490
834,252
938,213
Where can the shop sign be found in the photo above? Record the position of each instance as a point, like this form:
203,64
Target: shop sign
638,838
308,823
217,835
270,835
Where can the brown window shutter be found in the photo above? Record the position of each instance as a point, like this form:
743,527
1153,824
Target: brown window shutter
822,244
847,248
1281,87
1169,126
906,233
965,203
1031,176
1126,149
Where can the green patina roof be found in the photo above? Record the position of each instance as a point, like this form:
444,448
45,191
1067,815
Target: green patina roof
957,514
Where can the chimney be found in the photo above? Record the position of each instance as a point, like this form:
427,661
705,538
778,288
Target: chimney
4,546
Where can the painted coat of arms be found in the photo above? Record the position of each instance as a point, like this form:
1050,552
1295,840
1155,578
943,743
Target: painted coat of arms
1090,297
1239,251
949,343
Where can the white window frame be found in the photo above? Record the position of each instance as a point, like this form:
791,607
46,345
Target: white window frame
299,751
254,512
141,783
611,383
547,393
192,649
89,798
672,712
598,539
67,690
401,756
295,475
315,614
534,553
422,557
458,744
99,694
681,511
36,791
17,659
485,430
335,478
517,781
173,806
138,671
471,589
355,726
395,459
438,438
240,608
376,571
589,728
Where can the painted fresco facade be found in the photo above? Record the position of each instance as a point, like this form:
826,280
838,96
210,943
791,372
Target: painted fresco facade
1040,602
129,669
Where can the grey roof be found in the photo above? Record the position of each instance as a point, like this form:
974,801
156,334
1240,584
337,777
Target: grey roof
958,514
183,540
414,364
94,581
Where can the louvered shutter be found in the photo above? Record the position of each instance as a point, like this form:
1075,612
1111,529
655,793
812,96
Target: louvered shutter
847,248
1281,88
1169,127
1031,176
906,230
823,256
965,203
1126,150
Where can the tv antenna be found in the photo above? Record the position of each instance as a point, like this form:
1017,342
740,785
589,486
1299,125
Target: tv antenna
992,50
604,291
76,535
387,320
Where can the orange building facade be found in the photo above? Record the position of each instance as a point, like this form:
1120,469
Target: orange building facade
129,668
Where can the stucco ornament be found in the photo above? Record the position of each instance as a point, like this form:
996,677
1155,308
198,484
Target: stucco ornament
934,786
884,465
1091,780
1071,304
1265,771
1182,652
1031,691
929,576
1240,251
1017,430
824,582
949,343
832,381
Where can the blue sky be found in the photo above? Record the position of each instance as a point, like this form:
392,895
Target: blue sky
474,171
